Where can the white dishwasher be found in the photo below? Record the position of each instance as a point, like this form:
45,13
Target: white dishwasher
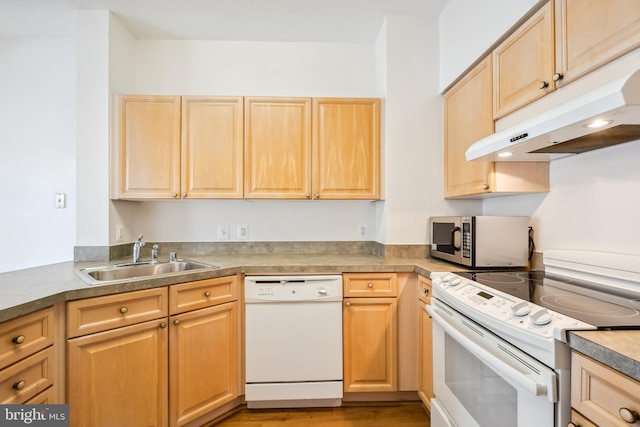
293,341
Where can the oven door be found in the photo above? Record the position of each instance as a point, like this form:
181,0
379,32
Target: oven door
482,380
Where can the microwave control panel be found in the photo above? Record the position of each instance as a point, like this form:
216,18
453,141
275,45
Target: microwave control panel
466,240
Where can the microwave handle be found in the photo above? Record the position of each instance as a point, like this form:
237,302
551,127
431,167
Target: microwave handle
453,239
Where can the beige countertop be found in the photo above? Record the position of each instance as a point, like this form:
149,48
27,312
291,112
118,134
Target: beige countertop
619,349
24,291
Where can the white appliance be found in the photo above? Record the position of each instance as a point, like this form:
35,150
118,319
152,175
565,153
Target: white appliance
568,128
501,356
293,341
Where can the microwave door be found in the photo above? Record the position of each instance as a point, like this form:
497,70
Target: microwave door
445,239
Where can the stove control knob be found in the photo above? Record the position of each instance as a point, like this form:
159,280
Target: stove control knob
520,308
455,281
446,277
540,317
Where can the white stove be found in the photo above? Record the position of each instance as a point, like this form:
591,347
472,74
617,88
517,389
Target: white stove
514,326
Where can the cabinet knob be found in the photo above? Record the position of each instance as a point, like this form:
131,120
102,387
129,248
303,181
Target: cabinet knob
572,424
557,76
184,195
18,340
543,85
348,303
123,310
307,195
628,415
485,187
176,322
370,285
207,294
163,325
317,195
425,291
174,194
19,385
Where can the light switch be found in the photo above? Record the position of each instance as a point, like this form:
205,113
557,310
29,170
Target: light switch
61,200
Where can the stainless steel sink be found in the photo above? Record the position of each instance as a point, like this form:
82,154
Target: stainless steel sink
140,269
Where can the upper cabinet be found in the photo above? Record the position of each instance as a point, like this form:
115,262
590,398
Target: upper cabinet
346,148
524,64
467,118
590,33
172,147
278,148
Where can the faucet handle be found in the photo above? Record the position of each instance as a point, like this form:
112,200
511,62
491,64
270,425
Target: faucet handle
173,256
140,236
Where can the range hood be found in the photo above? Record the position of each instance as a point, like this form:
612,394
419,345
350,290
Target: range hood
564,130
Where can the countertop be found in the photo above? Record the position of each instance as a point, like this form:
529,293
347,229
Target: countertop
25,291
618,349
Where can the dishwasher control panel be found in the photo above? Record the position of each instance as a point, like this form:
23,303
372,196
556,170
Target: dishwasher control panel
293,288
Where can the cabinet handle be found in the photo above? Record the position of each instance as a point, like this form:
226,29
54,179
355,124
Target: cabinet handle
348,303
557,76
184,195
163,325
18,340
207,294
19,385
370,285
123,310
543,85
628,415
174,194
176,322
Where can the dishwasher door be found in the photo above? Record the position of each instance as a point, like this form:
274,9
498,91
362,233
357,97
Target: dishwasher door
293,341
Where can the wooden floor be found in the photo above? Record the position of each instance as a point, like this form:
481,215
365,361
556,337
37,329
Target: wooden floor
406,414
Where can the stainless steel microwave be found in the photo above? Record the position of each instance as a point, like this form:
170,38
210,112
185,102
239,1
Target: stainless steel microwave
481,241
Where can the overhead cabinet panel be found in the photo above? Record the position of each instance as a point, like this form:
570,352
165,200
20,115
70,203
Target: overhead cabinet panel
346,148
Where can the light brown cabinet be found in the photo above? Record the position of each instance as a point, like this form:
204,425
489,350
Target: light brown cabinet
346,148
203,349
172,147
163,356
524,64
467,118
591,33
602,395
425,348
278,148
370,336
117,364
28,358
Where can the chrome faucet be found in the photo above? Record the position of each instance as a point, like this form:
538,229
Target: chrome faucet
154,253
136,249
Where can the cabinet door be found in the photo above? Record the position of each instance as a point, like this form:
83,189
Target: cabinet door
467,118
212,153
370,344
346,148
590,33
204,361
277,148
149,147
524,64
425,358
119,377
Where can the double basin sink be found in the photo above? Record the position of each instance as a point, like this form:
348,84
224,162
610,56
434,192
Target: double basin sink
110,273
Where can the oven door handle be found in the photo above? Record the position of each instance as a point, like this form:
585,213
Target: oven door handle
494,362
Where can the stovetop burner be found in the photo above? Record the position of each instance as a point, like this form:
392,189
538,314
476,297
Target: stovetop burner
565,296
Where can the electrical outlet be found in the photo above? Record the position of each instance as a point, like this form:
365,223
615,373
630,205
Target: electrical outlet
119,233
223,231
243,232
363,231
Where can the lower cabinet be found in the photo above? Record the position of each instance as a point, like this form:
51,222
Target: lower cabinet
370,333
601,396
425,349
157,357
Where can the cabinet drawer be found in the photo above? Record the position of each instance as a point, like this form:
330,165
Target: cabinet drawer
370,284
204,293
424,289
26,335
23,380
599,392
579,421
103,313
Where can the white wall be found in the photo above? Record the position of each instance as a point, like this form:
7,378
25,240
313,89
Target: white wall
37,139
468,28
